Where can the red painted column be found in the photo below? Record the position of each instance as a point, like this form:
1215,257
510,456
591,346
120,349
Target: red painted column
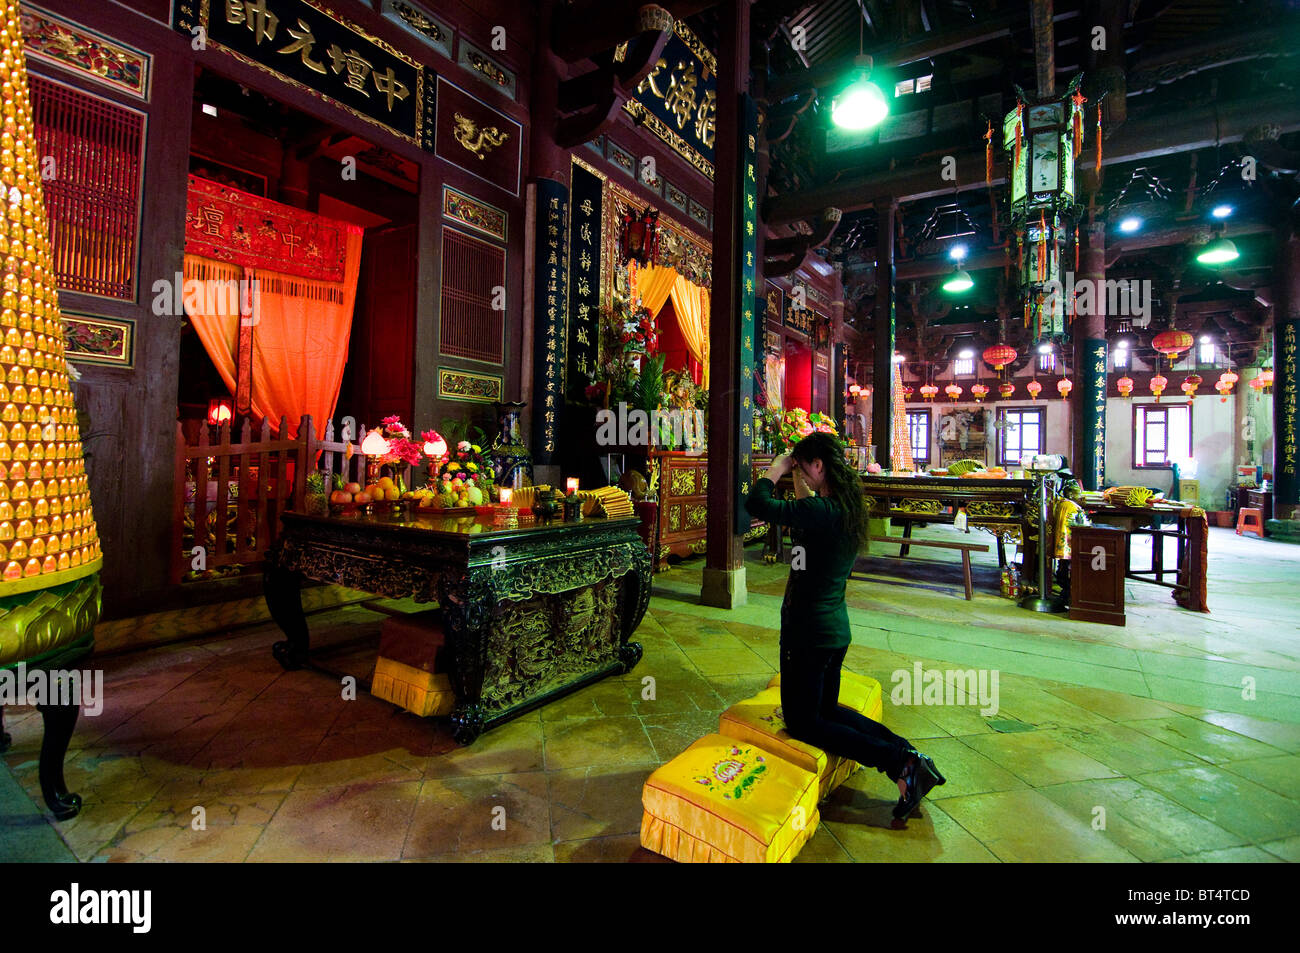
724,568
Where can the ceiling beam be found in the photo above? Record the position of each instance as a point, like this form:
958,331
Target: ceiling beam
911,51
1158,135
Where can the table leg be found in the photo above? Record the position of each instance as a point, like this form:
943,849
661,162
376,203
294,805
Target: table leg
636,599
5,740
283,592
59,722
466,615
1002,553
965,570
907,534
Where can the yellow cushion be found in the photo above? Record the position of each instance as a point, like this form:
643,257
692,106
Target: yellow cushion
859,692
723,802
758,721
423,693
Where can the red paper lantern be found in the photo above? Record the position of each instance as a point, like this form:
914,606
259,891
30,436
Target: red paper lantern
220,410
1125,385
1064,386
999,356
929,391
907,392
979,392
1224,390
1263,382
1172,343
953,391
1006,389
1034,389
1158,385
1190,383
1228,378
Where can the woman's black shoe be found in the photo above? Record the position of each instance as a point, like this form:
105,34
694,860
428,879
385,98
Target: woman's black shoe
920,776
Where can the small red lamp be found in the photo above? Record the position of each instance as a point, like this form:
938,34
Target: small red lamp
220,410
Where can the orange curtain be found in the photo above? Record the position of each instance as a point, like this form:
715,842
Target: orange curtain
206,305
300,341
300,338
691,302
654,283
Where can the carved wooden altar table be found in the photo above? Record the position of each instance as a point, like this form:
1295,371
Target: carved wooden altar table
530,612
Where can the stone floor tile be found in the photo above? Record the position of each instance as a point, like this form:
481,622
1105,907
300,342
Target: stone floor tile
1026,826
1229,801
455,815
589,742
967,770
1280,775
1145,823
327,824
588,803
1038,758
1204,740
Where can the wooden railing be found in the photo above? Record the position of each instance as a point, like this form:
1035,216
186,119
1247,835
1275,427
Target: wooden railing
230,494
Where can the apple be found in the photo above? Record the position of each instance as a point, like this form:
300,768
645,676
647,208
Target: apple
340,496
353,488
362,498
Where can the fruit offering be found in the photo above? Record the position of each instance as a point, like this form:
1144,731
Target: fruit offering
348,494
466,479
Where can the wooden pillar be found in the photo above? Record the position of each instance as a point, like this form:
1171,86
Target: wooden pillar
1088,331
882,376
1286,379
724,568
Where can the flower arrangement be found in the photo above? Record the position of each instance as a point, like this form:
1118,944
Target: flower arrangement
639,334
466,479
797,423
401,449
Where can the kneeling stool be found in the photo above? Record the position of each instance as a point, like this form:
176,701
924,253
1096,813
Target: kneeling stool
858,692
759,721
723,801
410,671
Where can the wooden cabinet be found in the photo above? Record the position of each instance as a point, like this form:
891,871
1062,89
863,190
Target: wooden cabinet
1261,500
682,481
1098,567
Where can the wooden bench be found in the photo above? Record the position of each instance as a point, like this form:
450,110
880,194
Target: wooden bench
904,542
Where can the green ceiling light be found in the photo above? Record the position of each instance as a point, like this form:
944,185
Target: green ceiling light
861,105
1218,252
960,280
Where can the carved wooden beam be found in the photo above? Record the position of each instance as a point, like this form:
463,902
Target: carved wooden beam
575,129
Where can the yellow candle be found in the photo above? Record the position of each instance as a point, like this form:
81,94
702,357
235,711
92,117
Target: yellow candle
572,484
506,494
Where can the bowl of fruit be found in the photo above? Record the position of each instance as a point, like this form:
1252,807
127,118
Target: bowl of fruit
349,498
464,482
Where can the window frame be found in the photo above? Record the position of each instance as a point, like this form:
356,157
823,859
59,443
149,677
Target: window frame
1040,411
1139,411
929,443
963,367
1047,363
1119,359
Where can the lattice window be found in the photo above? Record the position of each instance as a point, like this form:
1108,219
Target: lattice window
472,271
90,162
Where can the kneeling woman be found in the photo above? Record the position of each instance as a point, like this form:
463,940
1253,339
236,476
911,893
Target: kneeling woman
830,523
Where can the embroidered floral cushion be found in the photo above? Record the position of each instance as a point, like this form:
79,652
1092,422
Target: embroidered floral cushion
721,801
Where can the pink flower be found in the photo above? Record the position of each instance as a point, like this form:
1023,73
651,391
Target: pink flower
805,430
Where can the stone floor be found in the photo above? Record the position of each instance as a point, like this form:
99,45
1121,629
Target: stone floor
1175,738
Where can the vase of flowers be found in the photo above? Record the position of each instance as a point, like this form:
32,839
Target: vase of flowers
797,423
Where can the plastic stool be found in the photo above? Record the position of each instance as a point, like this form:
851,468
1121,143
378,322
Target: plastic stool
1250,520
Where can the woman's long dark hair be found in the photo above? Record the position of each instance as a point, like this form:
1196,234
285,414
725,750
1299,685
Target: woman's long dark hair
842,481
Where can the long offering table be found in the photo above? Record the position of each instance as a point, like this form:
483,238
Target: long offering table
530,612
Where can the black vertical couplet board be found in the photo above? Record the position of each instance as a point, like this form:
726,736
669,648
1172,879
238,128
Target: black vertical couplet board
1091,470
747,301
1286,482
584,280
549,308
